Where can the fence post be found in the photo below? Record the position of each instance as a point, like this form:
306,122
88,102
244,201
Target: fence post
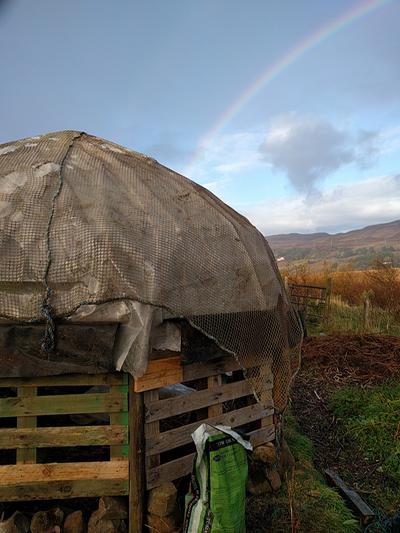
366,313
328,298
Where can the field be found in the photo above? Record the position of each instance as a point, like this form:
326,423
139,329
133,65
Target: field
345,407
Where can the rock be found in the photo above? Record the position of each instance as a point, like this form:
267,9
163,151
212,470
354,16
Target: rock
113,508
164,524
74,523
258,488
286,459
274,479
257,483
109,517
162,500
17,523
265,453
47,521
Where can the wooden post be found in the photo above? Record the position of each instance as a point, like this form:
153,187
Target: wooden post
366,312
328,298
136,460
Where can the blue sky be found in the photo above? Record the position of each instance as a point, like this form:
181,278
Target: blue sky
318,148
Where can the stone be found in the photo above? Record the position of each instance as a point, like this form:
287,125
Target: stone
47,521
286,459
266,453
257,483
162,500
113,508
17,523
74,523
258,488
164,524
97,524
274,479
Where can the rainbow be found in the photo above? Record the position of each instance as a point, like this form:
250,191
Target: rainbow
273,71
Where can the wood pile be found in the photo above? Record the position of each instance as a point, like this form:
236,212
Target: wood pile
110,517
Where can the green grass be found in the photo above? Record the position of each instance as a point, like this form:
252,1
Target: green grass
318,508
371,417
344,319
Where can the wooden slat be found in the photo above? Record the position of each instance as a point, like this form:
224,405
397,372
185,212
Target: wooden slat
46,437
136,461
170,471
212,368
217,408
152,427
27,455
52,490
160,373
64,380
182,435
119,452
354,499
63,404
21,474
157,410
263,435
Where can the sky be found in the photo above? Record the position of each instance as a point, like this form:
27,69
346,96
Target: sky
288,110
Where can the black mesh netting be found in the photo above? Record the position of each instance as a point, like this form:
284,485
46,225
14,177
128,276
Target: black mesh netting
83,220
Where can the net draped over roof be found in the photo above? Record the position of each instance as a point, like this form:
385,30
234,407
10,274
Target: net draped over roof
83,220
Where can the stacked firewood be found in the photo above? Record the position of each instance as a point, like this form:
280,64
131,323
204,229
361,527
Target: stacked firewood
110,517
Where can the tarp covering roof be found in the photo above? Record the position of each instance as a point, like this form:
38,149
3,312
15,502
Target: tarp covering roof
83,220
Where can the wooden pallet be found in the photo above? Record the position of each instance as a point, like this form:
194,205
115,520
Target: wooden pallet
216,400
31,411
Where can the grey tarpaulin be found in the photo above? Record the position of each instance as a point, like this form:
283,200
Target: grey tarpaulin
84,221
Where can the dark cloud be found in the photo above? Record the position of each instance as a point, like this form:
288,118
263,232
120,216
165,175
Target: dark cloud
307,149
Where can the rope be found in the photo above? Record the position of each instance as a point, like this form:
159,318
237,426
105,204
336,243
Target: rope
49,338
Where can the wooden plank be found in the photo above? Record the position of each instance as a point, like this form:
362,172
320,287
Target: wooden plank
217,408
64,380
182,435
160,373
183,466
46,437
354,499
263,435
119,452
204,370
54,490
169,471
157,410
136,460
63,404
152,428
21,474
26,455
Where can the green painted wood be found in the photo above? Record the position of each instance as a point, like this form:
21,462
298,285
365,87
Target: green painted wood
65,380
63,436
64,404
48,490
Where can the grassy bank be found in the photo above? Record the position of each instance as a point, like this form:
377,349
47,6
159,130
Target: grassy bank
370,417
305,503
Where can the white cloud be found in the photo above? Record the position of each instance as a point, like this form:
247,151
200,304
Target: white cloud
371,201
307,149
226,156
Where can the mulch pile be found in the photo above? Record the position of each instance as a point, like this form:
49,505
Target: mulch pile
362,359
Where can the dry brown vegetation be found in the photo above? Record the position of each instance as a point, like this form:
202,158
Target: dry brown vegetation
381,284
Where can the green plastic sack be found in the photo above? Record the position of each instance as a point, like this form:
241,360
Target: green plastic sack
216,502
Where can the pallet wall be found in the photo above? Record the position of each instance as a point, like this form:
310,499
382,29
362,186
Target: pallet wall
45,454
217,398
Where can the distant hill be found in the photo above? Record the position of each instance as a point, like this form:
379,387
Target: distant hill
356,248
